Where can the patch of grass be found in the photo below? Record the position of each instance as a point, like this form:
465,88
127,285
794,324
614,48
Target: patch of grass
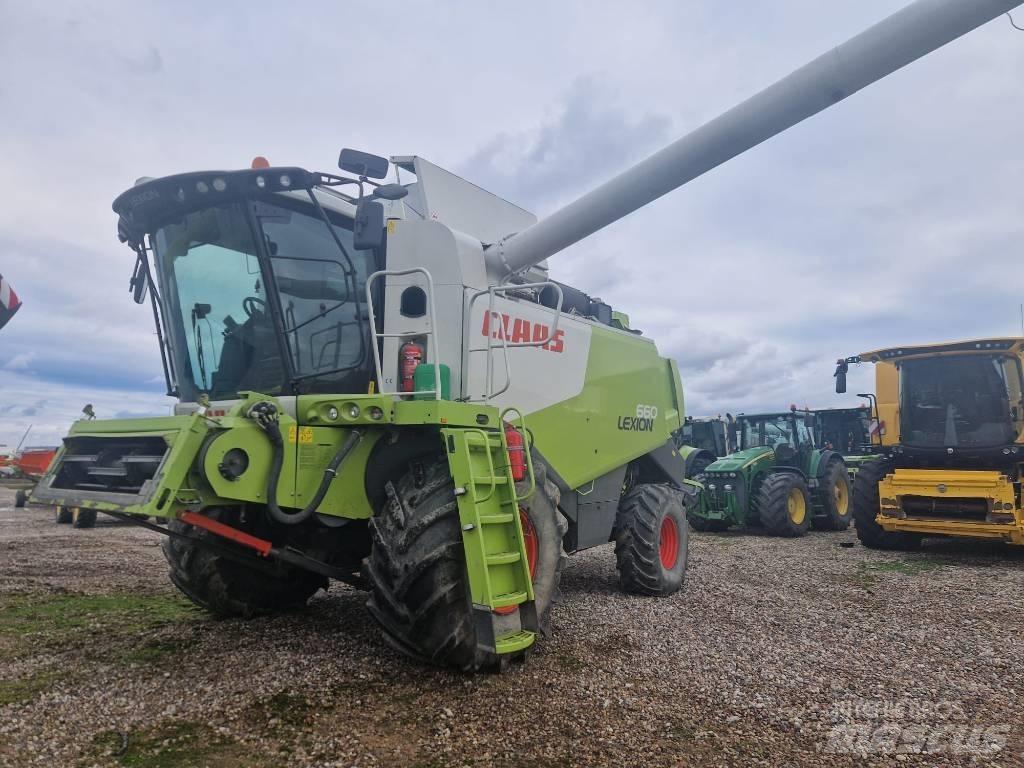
45,615
25,688
906,567
175,745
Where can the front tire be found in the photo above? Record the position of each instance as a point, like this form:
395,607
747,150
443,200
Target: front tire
64,516
651,540
785,504
83,518
835,497
420,593
227,588
20,498
865,511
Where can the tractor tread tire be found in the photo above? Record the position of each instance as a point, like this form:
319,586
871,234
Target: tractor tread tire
865,509
83,518
638,540
772,504
63,516
832,520
420,593
227,588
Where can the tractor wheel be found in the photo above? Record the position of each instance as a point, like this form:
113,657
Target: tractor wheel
700,524
83,518
229,588
865,510
20,499
419,586
784,504
64,516
835,497
651,540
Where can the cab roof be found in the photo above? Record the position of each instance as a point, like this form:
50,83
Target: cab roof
1009,344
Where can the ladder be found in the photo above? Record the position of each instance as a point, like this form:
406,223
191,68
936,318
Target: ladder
492,535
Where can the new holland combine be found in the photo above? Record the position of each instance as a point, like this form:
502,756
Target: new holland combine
951,420
379,383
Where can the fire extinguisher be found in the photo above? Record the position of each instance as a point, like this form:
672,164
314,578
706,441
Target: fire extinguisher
516,452
410,355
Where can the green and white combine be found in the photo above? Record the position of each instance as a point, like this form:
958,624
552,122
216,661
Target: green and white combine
387,389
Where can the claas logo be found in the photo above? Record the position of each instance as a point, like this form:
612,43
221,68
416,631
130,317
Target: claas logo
517,330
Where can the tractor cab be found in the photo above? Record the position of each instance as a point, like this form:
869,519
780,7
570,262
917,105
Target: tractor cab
789,434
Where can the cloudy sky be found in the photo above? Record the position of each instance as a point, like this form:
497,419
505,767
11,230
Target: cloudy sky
893,218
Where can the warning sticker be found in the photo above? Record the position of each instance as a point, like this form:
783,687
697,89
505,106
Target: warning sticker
304,435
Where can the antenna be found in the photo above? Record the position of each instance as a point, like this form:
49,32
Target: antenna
23,438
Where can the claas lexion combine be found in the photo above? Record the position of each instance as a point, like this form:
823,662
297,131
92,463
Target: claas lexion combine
379,383
951,444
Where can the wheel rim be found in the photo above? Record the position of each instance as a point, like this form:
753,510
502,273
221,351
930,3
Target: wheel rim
531,545
796,506
842,495
531,542
668,547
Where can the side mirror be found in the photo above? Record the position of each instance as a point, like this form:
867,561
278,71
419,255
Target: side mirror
841,368
363,164
368,228
139,284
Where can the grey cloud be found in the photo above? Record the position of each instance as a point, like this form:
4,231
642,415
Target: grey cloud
589,138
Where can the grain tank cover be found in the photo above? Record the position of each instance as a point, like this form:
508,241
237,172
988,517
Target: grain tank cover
440,195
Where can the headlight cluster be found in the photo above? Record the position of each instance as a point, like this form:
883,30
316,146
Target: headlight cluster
719,475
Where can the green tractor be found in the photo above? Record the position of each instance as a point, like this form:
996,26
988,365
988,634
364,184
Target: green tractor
701,441
777,479
849,431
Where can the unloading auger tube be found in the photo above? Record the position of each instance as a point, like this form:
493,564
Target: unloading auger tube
266,417
889,45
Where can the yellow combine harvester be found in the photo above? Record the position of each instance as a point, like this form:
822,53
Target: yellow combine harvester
950,429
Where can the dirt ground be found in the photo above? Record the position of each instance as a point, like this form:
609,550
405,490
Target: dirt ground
778,652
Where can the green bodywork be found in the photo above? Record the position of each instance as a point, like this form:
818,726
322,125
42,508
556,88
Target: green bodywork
731,484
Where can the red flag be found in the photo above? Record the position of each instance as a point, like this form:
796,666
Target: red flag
9,302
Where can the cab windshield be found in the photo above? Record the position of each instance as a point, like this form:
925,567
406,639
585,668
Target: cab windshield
772,431
287,317
960,401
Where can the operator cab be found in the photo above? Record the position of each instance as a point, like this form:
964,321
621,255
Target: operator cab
789,434
260,280
954,399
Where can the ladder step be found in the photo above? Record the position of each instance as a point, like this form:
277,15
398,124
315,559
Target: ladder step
502,558
509,598
496,519
485,480
514,641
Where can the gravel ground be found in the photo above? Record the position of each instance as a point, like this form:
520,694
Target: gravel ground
778,652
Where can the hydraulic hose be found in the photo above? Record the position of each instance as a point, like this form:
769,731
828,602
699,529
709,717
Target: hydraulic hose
266,416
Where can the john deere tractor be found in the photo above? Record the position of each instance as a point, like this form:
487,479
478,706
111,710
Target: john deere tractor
701,441
379,382
778,479
951,428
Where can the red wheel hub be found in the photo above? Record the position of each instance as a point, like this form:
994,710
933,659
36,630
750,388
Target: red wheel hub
669,546
531,541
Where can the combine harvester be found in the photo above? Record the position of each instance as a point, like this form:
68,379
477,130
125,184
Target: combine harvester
952,432
387,389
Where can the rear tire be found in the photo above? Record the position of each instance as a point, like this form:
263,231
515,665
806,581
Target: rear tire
20,499
228,588
784,504
834,493
420,593
63,516
651,540
83,518
865,511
